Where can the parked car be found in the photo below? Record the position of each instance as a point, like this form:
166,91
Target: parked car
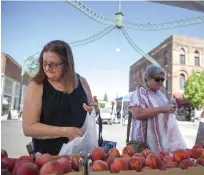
106,115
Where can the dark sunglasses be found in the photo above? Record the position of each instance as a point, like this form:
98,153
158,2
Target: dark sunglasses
158,79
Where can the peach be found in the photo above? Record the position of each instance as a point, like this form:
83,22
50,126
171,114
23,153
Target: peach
5,172
200,161
119,165
153,161
129,151
97,154
160,156
113,153
19,163
180,155
143,160
124,155
135,164
110,160
146,152
192,153
167,159
100,165
28,168
126,159
52,167
138,155
25,157
66,156
200,152
10,162
66,164
74,163
185,164
163,153
42,159
197,146
3,154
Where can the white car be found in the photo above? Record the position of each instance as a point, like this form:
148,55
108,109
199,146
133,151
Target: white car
106,115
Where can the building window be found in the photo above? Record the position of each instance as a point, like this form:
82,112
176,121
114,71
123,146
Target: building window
182,56
182,81
8,86
197,59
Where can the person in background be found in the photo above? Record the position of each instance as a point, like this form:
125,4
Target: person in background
57,100
149,104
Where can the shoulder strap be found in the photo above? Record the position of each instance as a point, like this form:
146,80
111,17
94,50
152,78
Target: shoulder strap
100,124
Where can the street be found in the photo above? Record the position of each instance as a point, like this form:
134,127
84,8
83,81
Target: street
14,141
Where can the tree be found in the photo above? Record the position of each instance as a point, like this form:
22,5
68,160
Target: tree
194,90
105,98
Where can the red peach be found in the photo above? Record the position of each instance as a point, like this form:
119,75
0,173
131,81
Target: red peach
124,155
113,153
200,152
52,167
146,152
143,160
164,154
185,164
167,159
42,159
110,160
97,154
74,163
25,157
28,168
100,165
19,163
197,146
135,164
145,168
172,164
192,153
66,165
119,165
129,151
180,155
153,161
138,155
200,161
10,162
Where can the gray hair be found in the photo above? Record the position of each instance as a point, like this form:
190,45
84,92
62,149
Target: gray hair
152,71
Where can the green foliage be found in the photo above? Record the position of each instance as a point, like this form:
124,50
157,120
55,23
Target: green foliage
105,98
194,90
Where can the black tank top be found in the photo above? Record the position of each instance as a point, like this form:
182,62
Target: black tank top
60,109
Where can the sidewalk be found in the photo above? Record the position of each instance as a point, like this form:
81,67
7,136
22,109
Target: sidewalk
4,117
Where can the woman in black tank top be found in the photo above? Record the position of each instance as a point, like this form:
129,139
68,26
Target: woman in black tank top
53,108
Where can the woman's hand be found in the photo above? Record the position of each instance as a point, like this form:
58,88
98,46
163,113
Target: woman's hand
89,107
73,132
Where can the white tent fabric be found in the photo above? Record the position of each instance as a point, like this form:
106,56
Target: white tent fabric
191,5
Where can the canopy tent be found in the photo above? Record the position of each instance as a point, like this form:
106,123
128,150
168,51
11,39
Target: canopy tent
180,100
191,5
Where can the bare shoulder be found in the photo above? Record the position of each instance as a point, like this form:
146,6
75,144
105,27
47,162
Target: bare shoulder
83,81
34,87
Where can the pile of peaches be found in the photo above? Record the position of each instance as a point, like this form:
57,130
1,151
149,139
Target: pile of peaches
43,164
115,162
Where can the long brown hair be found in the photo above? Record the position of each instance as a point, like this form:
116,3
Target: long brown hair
63,50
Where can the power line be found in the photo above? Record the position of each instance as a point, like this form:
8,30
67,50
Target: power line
90,13
137,49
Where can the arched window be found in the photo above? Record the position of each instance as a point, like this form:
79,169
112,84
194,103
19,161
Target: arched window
197,58
182,56
182,81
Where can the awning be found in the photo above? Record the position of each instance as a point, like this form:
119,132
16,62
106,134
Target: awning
180,100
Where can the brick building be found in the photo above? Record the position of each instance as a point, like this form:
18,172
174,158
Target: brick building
179,56
10,83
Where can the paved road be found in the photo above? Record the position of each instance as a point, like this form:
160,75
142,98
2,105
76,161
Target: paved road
13,140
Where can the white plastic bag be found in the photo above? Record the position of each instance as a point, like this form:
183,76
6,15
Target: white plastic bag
174,139
85,143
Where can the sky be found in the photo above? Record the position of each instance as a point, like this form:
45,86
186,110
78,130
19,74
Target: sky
27,26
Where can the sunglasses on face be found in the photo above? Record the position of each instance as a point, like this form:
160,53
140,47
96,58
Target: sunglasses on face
50,65
158,79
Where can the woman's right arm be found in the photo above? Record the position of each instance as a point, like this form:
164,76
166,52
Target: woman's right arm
31,117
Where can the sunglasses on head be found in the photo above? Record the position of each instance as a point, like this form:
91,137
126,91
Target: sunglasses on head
158,79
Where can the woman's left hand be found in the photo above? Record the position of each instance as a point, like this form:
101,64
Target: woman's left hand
89,107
